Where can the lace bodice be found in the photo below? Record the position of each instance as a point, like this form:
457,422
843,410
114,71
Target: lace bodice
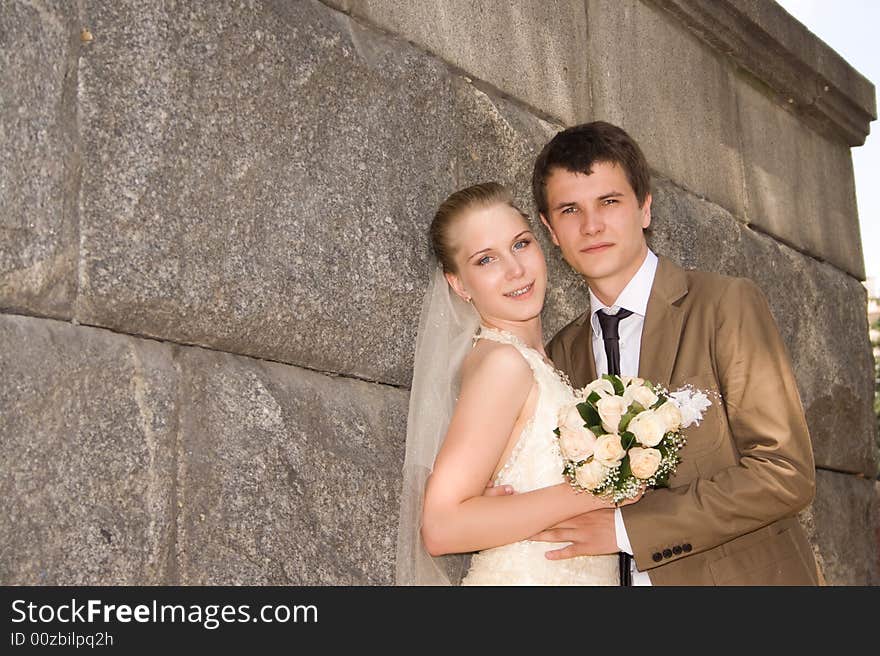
536,462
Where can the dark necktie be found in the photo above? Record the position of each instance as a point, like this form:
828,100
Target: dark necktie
610,335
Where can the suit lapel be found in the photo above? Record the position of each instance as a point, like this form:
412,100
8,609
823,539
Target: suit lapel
581,361
663,322
590,373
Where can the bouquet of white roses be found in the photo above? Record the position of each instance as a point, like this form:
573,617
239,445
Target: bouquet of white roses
625,433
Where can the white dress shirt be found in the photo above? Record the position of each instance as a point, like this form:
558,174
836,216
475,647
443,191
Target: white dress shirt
634,298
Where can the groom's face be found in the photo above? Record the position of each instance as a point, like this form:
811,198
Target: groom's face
597,223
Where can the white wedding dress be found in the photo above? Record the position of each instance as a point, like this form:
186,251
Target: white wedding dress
536,462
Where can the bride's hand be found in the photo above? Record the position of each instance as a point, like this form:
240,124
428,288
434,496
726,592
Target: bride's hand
493,490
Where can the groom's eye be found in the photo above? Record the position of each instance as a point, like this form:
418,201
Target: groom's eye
484,260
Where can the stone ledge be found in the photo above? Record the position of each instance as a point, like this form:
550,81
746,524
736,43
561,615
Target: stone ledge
806,74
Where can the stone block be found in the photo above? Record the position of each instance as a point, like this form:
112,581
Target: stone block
533,51
39,45
257,178
671,92
819,310
88,423
287,477
843,524
799,184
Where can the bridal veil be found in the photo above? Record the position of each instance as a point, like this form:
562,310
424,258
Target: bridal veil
446,328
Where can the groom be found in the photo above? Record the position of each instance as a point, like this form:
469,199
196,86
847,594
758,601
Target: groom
728,515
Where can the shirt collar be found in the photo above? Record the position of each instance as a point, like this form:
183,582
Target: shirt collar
634,296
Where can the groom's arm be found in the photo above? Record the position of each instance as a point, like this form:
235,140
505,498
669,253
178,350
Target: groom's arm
775,475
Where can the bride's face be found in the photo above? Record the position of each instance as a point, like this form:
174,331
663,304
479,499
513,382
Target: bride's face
499,264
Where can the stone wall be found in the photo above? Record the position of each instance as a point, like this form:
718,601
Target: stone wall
212,253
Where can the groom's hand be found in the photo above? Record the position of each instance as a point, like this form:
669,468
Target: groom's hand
591,534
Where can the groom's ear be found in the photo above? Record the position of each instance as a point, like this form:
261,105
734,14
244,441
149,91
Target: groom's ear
550,228
646,211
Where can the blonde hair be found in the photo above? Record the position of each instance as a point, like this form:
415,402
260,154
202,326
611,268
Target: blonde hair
480,195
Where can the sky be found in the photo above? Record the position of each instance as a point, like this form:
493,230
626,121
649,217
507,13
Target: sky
850,27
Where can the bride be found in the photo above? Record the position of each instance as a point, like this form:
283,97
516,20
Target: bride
483,407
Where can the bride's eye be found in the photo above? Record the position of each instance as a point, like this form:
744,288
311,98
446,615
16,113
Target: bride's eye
524,242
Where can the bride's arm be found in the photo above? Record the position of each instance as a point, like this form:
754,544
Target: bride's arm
457,517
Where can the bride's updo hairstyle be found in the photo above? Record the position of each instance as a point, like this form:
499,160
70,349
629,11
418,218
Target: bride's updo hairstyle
478,196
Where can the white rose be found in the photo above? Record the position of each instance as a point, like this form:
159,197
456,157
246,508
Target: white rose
641,394
591,474
648,428
609,451
575,440
629,381
576,444
601,385
569,417
671,416
611,409
643,462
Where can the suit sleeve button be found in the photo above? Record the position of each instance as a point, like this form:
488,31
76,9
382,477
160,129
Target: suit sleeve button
686,547
676,550
657,557
667,553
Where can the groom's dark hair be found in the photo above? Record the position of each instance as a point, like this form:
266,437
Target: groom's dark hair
577,148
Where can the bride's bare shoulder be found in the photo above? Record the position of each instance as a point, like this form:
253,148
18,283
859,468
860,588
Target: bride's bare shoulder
495,359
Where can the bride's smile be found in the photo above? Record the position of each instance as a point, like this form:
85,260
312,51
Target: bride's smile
522,292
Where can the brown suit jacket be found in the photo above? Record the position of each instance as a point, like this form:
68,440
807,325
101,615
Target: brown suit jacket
728,517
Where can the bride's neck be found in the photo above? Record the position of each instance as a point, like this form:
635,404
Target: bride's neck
529,332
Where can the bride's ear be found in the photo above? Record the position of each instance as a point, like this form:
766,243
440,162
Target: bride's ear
457,287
